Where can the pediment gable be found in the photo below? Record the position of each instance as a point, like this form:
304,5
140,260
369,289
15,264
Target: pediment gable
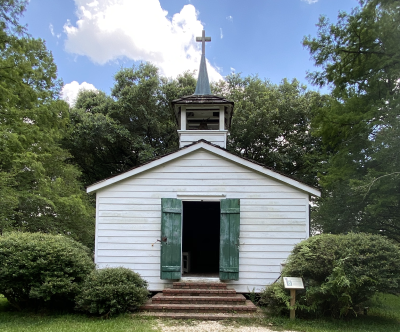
216,151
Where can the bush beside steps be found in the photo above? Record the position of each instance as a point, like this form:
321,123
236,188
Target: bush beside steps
112,291
52,271
340,273
41,269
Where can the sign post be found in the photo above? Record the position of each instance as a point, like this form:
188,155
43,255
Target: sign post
293,284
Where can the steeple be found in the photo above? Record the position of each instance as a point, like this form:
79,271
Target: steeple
203,85
203,115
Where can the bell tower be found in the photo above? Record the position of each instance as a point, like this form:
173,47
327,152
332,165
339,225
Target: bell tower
203,115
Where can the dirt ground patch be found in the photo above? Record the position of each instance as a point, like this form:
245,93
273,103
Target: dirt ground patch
211,326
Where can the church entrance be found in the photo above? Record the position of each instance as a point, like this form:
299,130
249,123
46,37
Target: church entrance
201,239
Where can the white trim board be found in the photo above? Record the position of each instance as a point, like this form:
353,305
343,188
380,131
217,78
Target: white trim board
217,151
200,197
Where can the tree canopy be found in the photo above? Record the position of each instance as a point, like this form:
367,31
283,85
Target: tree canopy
111,134
359,127
271,124
39,189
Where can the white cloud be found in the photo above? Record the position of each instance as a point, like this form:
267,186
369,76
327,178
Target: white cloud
310,1
107,30
52,31
233,70
70,91
229,18
221,34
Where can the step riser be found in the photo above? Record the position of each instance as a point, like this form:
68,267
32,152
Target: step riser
236,299
192,301
209,316
199,310
199,285
204,292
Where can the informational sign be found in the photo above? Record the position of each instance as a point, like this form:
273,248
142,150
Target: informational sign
293,283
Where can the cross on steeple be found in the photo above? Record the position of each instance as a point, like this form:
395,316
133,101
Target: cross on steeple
203,39
203,85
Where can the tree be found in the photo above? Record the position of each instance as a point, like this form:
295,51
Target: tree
111,134
39,189
360,60
271,124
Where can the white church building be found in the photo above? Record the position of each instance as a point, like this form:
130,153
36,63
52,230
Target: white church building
201,212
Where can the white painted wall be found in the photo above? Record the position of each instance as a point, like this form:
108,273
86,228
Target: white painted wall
274,217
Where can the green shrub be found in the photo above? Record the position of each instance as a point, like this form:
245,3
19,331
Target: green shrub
38,268
340,273
112,291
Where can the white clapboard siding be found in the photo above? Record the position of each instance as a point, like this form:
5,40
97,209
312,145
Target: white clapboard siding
260,268
119,233
268,208
132,246
132,240
280,221
250,175
273,243
271,203
117,206
274,217
199,182
262,255
156,196
137,259
134,266
206,189
265,248
272,228
138,214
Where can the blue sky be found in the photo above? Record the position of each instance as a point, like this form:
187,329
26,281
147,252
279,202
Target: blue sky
92,39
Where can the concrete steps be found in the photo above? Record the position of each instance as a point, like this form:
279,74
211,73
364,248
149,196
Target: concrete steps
199,300
200,316
235,299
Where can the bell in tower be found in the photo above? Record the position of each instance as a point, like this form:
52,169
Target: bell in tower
203,115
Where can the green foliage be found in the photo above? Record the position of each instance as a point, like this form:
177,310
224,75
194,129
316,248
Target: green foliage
276,298
271,124
10,11
112,291
360,126
109,135
341,272
39,189
40,268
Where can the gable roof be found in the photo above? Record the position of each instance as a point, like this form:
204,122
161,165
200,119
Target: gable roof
215,149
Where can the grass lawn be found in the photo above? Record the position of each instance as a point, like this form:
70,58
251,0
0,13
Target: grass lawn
12,321
384,315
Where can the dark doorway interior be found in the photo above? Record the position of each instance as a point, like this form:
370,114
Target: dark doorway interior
200,236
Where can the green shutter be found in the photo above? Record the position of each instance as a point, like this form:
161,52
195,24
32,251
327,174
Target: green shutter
229,241
171,220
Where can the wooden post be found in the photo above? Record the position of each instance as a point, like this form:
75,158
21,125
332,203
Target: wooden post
292,303
183,118
293,283
221,118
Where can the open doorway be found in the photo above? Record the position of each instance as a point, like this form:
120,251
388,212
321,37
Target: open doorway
200,238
